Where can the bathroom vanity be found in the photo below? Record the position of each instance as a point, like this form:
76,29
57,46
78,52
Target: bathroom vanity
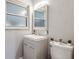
35,47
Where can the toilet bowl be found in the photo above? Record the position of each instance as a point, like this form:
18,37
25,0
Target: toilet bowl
60,50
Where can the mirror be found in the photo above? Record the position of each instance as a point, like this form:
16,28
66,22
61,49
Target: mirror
40,19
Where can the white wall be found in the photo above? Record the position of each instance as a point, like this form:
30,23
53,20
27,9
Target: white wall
14,37
61,19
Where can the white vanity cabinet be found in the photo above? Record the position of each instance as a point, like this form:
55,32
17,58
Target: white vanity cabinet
29,52
35,48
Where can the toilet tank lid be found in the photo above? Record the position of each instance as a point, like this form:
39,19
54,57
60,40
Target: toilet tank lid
60,44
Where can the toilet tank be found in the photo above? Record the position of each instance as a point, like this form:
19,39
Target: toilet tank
61,50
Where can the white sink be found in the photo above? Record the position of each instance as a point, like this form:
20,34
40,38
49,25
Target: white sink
35,37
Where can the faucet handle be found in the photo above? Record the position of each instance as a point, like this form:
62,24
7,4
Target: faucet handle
52,39
60,40
33,32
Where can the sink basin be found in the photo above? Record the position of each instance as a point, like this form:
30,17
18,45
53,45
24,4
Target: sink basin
35,37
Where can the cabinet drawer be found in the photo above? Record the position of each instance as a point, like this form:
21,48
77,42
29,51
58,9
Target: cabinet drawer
27,40
30,44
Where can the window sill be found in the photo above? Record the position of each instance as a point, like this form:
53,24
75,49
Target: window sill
15,28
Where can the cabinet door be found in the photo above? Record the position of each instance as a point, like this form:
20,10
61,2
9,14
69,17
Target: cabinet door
29,52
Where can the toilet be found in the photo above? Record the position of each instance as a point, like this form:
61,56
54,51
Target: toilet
60,50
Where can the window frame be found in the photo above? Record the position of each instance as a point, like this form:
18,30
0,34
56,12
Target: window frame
18,27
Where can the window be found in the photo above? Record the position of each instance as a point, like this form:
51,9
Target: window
16,15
